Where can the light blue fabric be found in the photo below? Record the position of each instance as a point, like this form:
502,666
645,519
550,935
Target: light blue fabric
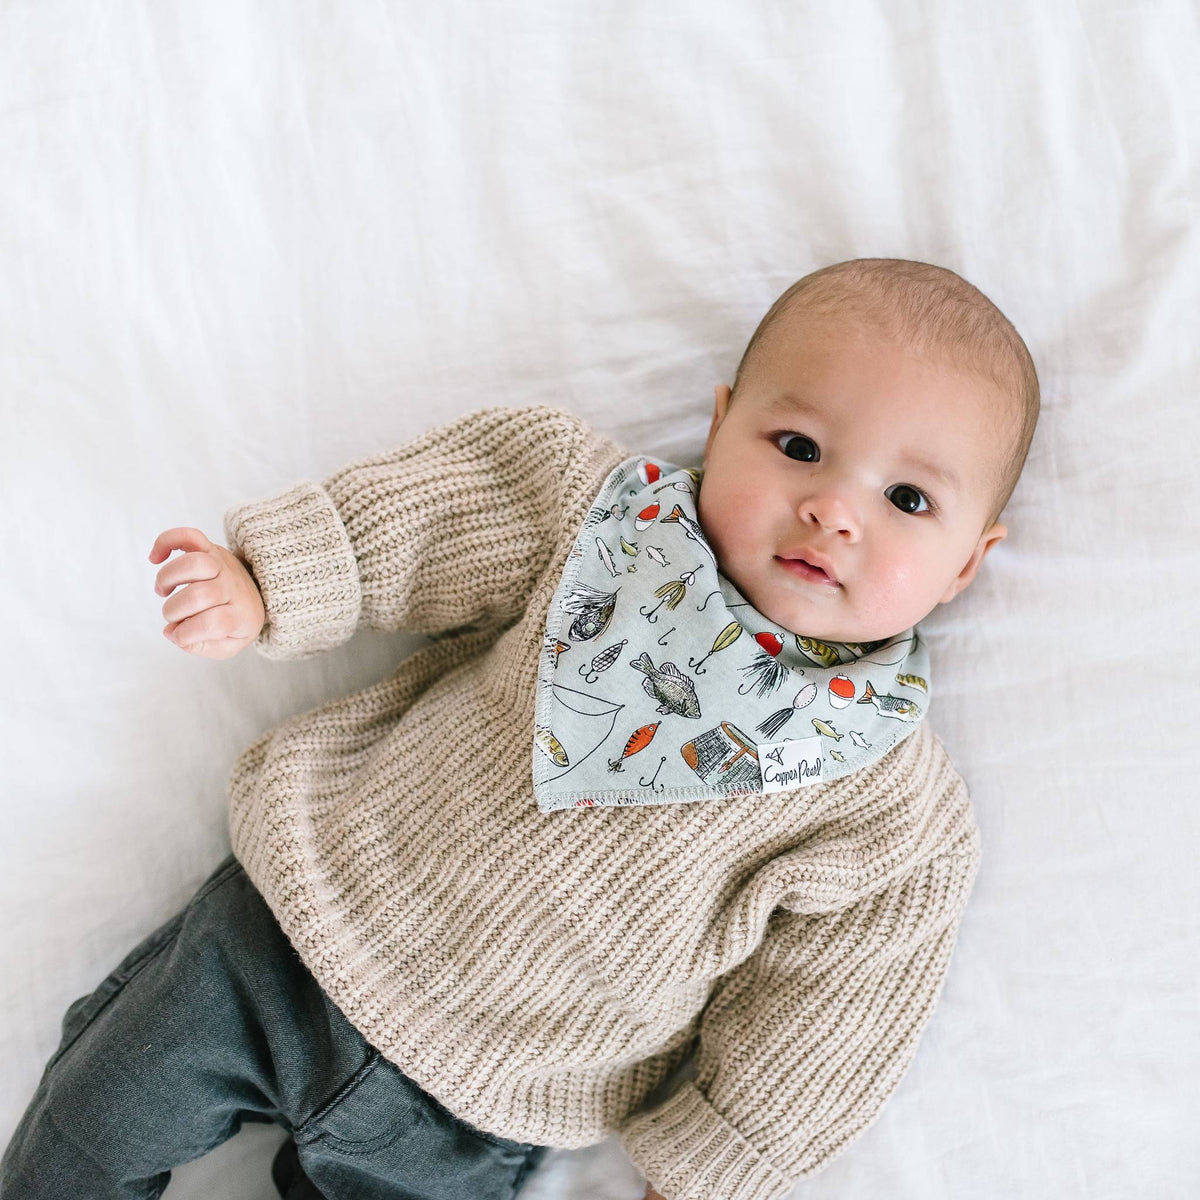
659,683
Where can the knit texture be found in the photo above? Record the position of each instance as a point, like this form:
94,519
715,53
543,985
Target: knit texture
540,974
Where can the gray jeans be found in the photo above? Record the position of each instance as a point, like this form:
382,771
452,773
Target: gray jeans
212,1021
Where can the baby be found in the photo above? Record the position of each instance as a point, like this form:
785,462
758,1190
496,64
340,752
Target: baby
430,962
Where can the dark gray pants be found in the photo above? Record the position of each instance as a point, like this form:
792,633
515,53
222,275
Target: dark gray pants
212,1021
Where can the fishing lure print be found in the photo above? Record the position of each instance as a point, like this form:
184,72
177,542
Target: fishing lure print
681,485
598,515
821,653
724,639
581,738
550,746
639,739
593,609
670,594
766,671
603,661
646,517
777,720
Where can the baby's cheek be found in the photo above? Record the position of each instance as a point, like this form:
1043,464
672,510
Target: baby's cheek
897,596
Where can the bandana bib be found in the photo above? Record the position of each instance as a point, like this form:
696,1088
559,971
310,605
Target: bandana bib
659,683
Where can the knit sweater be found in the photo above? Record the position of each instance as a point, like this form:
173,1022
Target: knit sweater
540,974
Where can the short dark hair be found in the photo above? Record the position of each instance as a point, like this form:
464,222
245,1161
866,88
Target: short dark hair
926,306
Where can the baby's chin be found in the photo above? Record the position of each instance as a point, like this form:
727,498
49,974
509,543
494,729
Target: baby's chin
805,620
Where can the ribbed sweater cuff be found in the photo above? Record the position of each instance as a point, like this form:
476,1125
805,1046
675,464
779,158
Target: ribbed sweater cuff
302,560
688,1151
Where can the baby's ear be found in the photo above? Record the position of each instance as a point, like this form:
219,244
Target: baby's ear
988,539
721,394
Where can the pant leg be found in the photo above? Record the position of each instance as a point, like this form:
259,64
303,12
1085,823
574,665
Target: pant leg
213,1020
382,1137
179,1045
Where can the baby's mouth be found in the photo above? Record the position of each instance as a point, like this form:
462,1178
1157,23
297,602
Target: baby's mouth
805,570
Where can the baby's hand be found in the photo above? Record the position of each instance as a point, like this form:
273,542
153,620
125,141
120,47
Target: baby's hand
220,611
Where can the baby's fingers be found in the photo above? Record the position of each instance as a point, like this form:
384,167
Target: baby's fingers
205,633
188,568
193,599
182,538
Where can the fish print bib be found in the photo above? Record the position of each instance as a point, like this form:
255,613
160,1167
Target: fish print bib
659,683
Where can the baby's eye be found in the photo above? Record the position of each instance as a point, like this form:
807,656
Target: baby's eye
799,447
906,498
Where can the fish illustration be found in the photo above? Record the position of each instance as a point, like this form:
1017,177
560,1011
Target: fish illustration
550,746
656,553
913,681
678,517
828,730
899,707
629,548
639,739
669,685
594,610
838,755
606,557
858,739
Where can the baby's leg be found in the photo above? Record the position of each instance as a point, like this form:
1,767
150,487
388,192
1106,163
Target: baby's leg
213,1020
179,1045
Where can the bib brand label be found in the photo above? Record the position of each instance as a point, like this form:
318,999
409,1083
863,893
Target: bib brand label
789,764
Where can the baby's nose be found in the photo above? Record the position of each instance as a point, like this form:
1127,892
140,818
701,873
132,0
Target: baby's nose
832,512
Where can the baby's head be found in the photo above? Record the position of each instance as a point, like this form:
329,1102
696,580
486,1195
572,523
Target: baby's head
877,426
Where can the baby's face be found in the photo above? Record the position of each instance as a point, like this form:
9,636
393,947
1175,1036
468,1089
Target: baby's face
834,451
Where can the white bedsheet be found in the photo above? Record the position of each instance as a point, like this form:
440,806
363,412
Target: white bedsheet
243,244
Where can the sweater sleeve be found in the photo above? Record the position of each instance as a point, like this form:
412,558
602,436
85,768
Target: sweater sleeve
450,529
801,1044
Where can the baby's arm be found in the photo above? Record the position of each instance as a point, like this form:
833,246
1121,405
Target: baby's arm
218,610
453,529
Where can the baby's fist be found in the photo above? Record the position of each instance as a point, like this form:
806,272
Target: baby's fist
219,611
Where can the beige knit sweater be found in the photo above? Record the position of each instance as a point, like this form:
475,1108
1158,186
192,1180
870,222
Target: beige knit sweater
541,973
